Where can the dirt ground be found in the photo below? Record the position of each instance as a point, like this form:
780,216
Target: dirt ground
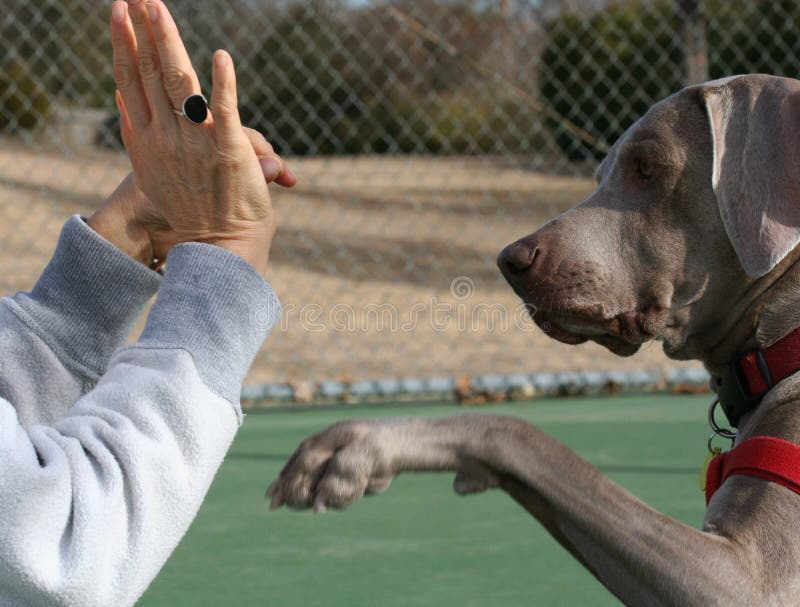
386,266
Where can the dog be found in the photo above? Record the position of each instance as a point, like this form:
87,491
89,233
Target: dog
691,239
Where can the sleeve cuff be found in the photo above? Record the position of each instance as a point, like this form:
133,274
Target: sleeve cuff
87,300
215,305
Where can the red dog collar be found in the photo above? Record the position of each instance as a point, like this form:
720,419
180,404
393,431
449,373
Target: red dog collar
772,459
747,380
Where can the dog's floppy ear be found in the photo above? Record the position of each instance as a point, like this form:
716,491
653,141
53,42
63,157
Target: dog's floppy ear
755,128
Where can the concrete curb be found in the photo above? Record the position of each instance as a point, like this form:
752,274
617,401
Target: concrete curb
479,389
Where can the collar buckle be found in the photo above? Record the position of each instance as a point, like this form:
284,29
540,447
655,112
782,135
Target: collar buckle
733,389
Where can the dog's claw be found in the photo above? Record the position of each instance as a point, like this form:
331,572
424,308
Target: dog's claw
277,500
334,468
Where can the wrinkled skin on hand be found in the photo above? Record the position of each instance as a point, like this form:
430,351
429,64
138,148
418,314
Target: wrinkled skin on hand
205,180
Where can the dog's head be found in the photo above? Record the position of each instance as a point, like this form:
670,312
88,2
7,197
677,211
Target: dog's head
697,207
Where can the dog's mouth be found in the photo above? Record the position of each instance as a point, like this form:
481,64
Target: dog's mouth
621,334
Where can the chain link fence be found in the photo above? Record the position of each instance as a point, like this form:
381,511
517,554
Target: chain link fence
426,135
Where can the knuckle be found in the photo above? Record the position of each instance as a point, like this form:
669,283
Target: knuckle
224,108
138,17
160,139
258,138
123,74
227,159
148,64
177,81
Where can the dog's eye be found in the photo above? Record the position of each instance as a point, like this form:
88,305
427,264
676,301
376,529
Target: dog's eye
645,168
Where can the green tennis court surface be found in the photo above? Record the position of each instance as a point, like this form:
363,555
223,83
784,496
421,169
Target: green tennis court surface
419,543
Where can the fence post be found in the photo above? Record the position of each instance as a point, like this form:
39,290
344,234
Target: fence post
693,35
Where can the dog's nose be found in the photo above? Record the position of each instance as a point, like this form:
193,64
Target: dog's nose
517,257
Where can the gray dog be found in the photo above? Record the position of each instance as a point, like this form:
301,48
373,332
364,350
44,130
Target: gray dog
690,239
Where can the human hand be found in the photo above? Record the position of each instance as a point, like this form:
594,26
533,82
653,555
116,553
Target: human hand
130,221
204,180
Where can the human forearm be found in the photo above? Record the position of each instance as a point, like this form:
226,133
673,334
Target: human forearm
133,459
56,341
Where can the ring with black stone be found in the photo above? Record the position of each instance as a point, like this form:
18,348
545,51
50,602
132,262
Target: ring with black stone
194,109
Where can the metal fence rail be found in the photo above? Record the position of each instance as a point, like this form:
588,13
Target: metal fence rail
427,134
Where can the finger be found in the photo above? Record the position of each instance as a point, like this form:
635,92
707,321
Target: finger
287,178
125,126
273,166
126,70
161,109
224,103
180,79
261,146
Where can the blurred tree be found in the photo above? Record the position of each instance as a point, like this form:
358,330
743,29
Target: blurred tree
602,71
24,104
604,66
351,79
751,37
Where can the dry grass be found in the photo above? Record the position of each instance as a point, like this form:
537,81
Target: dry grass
356,231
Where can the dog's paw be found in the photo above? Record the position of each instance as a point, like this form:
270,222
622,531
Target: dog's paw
334,469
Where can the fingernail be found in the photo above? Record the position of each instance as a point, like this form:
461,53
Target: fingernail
133,2
152,12
221,59
118,12
271,167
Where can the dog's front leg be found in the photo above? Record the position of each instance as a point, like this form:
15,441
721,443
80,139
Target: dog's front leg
642,556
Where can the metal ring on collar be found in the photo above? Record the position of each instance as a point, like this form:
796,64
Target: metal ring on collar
711,438
718,430
194,108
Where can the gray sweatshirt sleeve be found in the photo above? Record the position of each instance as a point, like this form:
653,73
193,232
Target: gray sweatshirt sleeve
56,341
93,505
